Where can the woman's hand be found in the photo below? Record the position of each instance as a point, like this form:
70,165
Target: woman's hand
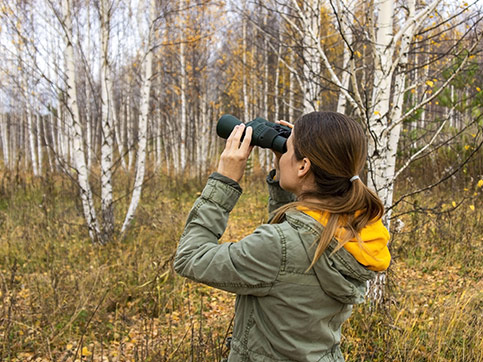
233,159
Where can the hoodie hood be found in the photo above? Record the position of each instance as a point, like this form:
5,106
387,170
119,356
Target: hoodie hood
339,274
373,252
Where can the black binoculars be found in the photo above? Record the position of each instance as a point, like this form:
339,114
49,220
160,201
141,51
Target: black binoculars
265,134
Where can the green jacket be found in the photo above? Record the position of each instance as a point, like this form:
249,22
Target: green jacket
282,312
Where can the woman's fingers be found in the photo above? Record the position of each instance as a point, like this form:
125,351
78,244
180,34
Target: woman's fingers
245,145
285,123
234,157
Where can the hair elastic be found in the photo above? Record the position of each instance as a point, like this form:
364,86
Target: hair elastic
353,178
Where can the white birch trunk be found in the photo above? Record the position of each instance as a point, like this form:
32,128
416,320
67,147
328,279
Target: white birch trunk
345,9
246,115
107,134
48,147
54,148
39,143
5,140
291,87
32,146
311,57
204,137
62,139
147,67
129,134
265,153
276,88
74,124
183,118
159,143
88,113
378,122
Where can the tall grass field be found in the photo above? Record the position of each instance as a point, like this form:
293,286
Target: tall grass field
63,298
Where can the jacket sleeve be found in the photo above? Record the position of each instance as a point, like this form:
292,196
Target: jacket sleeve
277,196
249,266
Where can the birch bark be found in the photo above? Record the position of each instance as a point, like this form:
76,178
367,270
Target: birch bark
5,140
107,135
183,118
147,67
74,124
346,9
246,115
39,121
311,57
32,146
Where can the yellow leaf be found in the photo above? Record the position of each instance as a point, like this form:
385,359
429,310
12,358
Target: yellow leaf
454,204
472,207
86,352
69,346
430,83
413,90
480,183
376,113
358,53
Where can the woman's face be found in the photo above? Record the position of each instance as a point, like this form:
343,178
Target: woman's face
288,167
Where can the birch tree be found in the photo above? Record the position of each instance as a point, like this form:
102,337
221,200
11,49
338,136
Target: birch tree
73,118
107,135
147,67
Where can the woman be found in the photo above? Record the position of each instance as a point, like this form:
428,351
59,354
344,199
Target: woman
297,277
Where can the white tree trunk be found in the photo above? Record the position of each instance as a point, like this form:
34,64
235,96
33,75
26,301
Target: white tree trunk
107,135
147,67
312,62
129,135
204,137
291,87
39,143
378,121
48,147
246,115
345,9
276,89
183,119
5,140
32,146
74,124
88,124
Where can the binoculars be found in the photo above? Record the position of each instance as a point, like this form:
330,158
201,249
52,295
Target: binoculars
265,134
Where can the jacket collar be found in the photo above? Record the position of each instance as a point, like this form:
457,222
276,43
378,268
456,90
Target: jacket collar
339,274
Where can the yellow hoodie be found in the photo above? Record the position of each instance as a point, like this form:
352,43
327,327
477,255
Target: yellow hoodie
374,253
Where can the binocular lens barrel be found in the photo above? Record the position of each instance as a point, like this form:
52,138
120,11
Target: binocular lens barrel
226,124
265,134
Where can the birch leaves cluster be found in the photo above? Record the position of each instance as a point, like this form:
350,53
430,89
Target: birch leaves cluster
98,88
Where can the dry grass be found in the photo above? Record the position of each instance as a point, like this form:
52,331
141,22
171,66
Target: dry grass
64,299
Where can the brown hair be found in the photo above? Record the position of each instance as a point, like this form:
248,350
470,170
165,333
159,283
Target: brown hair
337,149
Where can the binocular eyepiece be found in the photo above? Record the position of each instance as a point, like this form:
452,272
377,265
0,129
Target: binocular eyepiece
265,134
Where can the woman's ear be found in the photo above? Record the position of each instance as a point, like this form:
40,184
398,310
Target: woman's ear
304,167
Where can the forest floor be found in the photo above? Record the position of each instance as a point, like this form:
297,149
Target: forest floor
63,298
